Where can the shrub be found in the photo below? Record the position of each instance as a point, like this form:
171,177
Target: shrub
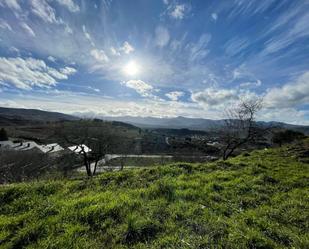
3,135
286,136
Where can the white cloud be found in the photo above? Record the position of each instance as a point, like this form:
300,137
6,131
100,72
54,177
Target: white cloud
5,25
29,72
68,71
27,29
94,89
288,115
98,106
99,55
87,35
244,77
14,49
51,58
43,10
178,11
174,95
236,45
290,94
127,48
73,7
214,16
215,97
251,84
114,51
141,87
162,36
68,29
12,4
199,50
298,29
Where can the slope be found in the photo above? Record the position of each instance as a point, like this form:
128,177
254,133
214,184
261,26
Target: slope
257,200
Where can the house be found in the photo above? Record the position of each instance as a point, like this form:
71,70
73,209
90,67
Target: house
29,145
78,149
51,148
6,145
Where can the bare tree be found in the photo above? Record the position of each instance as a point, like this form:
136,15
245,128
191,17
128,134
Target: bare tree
240,127
100,138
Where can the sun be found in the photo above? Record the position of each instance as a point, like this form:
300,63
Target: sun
131,68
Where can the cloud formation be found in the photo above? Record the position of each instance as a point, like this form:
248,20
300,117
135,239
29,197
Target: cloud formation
5,25
73,7
289,95
214,16
44,11
99,55
51,58
141,87
88,36
12,4
127,48
29,72
27,29
162,36
174,96
178,11
214,97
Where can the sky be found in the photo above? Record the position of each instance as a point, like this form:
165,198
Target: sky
156,58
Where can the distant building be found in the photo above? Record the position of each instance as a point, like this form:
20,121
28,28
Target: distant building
78,149
213,143
30,145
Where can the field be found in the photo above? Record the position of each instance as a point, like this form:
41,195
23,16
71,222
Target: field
256,200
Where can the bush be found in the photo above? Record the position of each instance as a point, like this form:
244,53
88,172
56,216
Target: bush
287,136
3,135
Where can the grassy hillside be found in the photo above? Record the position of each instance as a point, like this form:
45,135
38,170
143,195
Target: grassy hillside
259,200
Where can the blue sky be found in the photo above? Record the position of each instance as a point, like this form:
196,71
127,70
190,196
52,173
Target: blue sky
156,58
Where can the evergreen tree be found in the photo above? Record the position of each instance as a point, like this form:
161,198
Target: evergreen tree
3,135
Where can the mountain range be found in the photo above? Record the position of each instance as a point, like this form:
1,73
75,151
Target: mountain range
19,116
193,123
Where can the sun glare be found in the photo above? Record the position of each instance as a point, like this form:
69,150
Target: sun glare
131,68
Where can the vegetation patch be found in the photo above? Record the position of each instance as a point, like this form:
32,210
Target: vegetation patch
257,200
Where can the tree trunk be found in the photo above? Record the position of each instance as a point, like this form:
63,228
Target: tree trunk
121,164
225,154
228,154
88,166
95,167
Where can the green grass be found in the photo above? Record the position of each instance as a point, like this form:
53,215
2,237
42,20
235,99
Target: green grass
255,201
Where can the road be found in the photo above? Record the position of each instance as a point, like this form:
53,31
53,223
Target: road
102,167
109,157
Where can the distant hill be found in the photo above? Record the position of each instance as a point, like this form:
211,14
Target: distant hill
193,123
170,123
19,116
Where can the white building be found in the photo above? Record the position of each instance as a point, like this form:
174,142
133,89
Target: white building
78,149
29,145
